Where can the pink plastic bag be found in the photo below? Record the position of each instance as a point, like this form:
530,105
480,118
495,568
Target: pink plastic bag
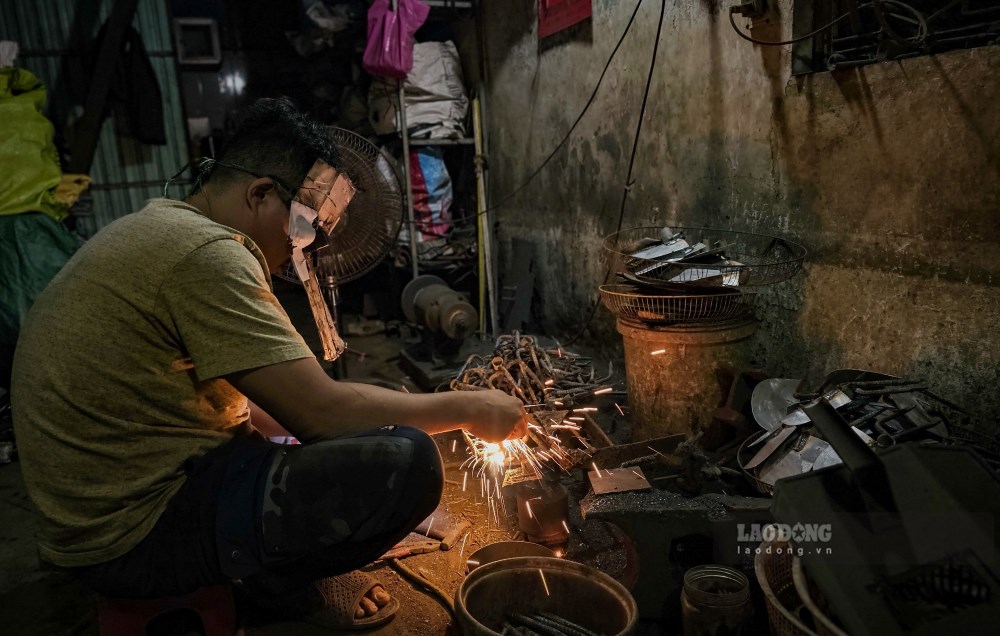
389,51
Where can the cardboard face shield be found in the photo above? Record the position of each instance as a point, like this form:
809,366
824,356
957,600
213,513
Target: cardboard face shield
319,204
328,192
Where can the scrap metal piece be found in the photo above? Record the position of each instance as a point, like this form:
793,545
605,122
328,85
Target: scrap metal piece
799,460
776,439
411,548
519,475
771,399
449,540
797,417
617,480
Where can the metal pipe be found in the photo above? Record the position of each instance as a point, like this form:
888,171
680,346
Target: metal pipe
407,179
487,238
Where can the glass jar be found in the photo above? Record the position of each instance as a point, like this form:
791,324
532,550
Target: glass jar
715,601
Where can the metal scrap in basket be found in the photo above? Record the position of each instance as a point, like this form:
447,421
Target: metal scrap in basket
688,275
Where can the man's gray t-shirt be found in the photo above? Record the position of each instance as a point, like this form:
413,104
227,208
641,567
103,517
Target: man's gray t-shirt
118,373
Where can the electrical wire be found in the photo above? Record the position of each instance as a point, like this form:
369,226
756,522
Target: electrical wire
631,161
426,585
732,21
510,195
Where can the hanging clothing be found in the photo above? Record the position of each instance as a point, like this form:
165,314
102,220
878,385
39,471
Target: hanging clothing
134,97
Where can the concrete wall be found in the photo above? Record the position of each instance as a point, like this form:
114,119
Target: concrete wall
889,174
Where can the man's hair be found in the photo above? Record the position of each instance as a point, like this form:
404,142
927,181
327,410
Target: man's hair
274,139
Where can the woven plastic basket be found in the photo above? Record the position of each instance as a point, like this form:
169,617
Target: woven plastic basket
773,567
814,601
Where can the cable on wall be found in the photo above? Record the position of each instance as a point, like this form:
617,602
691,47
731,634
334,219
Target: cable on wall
631,161
733,10
507,197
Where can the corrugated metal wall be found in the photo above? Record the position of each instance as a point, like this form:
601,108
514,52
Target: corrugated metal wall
124,172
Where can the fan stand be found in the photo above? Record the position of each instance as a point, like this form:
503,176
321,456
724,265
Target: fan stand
332,293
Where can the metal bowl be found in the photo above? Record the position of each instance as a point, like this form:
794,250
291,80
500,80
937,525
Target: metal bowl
528,585
506,550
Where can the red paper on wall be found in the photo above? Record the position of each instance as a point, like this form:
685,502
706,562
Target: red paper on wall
556,15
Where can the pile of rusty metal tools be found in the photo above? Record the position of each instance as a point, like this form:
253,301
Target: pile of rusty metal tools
540,377
882,410
552,383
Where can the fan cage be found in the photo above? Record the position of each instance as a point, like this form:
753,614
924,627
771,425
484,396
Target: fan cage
371,222
626,301
760,259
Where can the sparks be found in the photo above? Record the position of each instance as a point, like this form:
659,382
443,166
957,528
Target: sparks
596,469
453,443
550,382
527,505
657,352
557,402
558,554
657,452
462,551
429,526
403,388
585,409
620,411
465,479
546,585
489,461
576,418
471,562
606,389
565,526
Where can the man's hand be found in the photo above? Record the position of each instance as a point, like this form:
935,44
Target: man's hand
494,416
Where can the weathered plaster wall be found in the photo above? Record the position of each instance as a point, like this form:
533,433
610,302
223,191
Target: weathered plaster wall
890,174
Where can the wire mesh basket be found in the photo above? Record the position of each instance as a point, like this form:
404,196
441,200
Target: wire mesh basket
628,301
728,259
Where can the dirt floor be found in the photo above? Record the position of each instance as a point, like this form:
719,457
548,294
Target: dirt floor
35,600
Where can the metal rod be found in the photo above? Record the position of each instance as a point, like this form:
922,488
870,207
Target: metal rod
487,238
407,178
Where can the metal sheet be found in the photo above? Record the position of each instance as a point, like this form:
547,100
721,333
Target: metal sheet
618,480
771,399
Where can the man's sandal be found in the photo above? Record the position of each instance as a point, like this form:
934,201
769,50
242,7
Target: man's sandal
342,596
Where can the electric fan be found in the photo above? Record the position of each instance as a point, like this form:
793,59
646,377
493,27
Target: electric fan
368,227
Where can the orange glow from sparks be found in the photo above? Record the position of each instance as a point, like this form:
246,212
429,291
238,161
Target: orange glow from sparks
559,554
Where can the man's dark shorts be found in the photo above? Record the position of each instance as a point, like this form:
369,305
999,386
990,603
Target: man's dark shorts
279,516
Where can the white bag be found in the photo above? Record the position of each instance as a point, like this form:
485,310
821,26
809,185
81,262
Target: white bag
435,97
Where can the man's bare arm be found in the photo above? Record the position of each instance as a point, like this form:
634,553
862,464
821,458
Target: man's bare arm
303,399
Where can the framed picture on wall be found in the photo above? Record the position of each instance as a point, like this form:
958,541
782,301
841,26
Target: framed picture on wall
197,41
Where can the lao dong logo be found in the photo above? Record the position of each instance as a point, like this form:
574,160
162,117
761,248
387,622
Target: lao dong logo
798,533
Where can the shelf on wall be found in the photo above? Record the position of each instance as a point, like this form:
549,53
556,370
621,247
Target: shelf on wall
465,141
